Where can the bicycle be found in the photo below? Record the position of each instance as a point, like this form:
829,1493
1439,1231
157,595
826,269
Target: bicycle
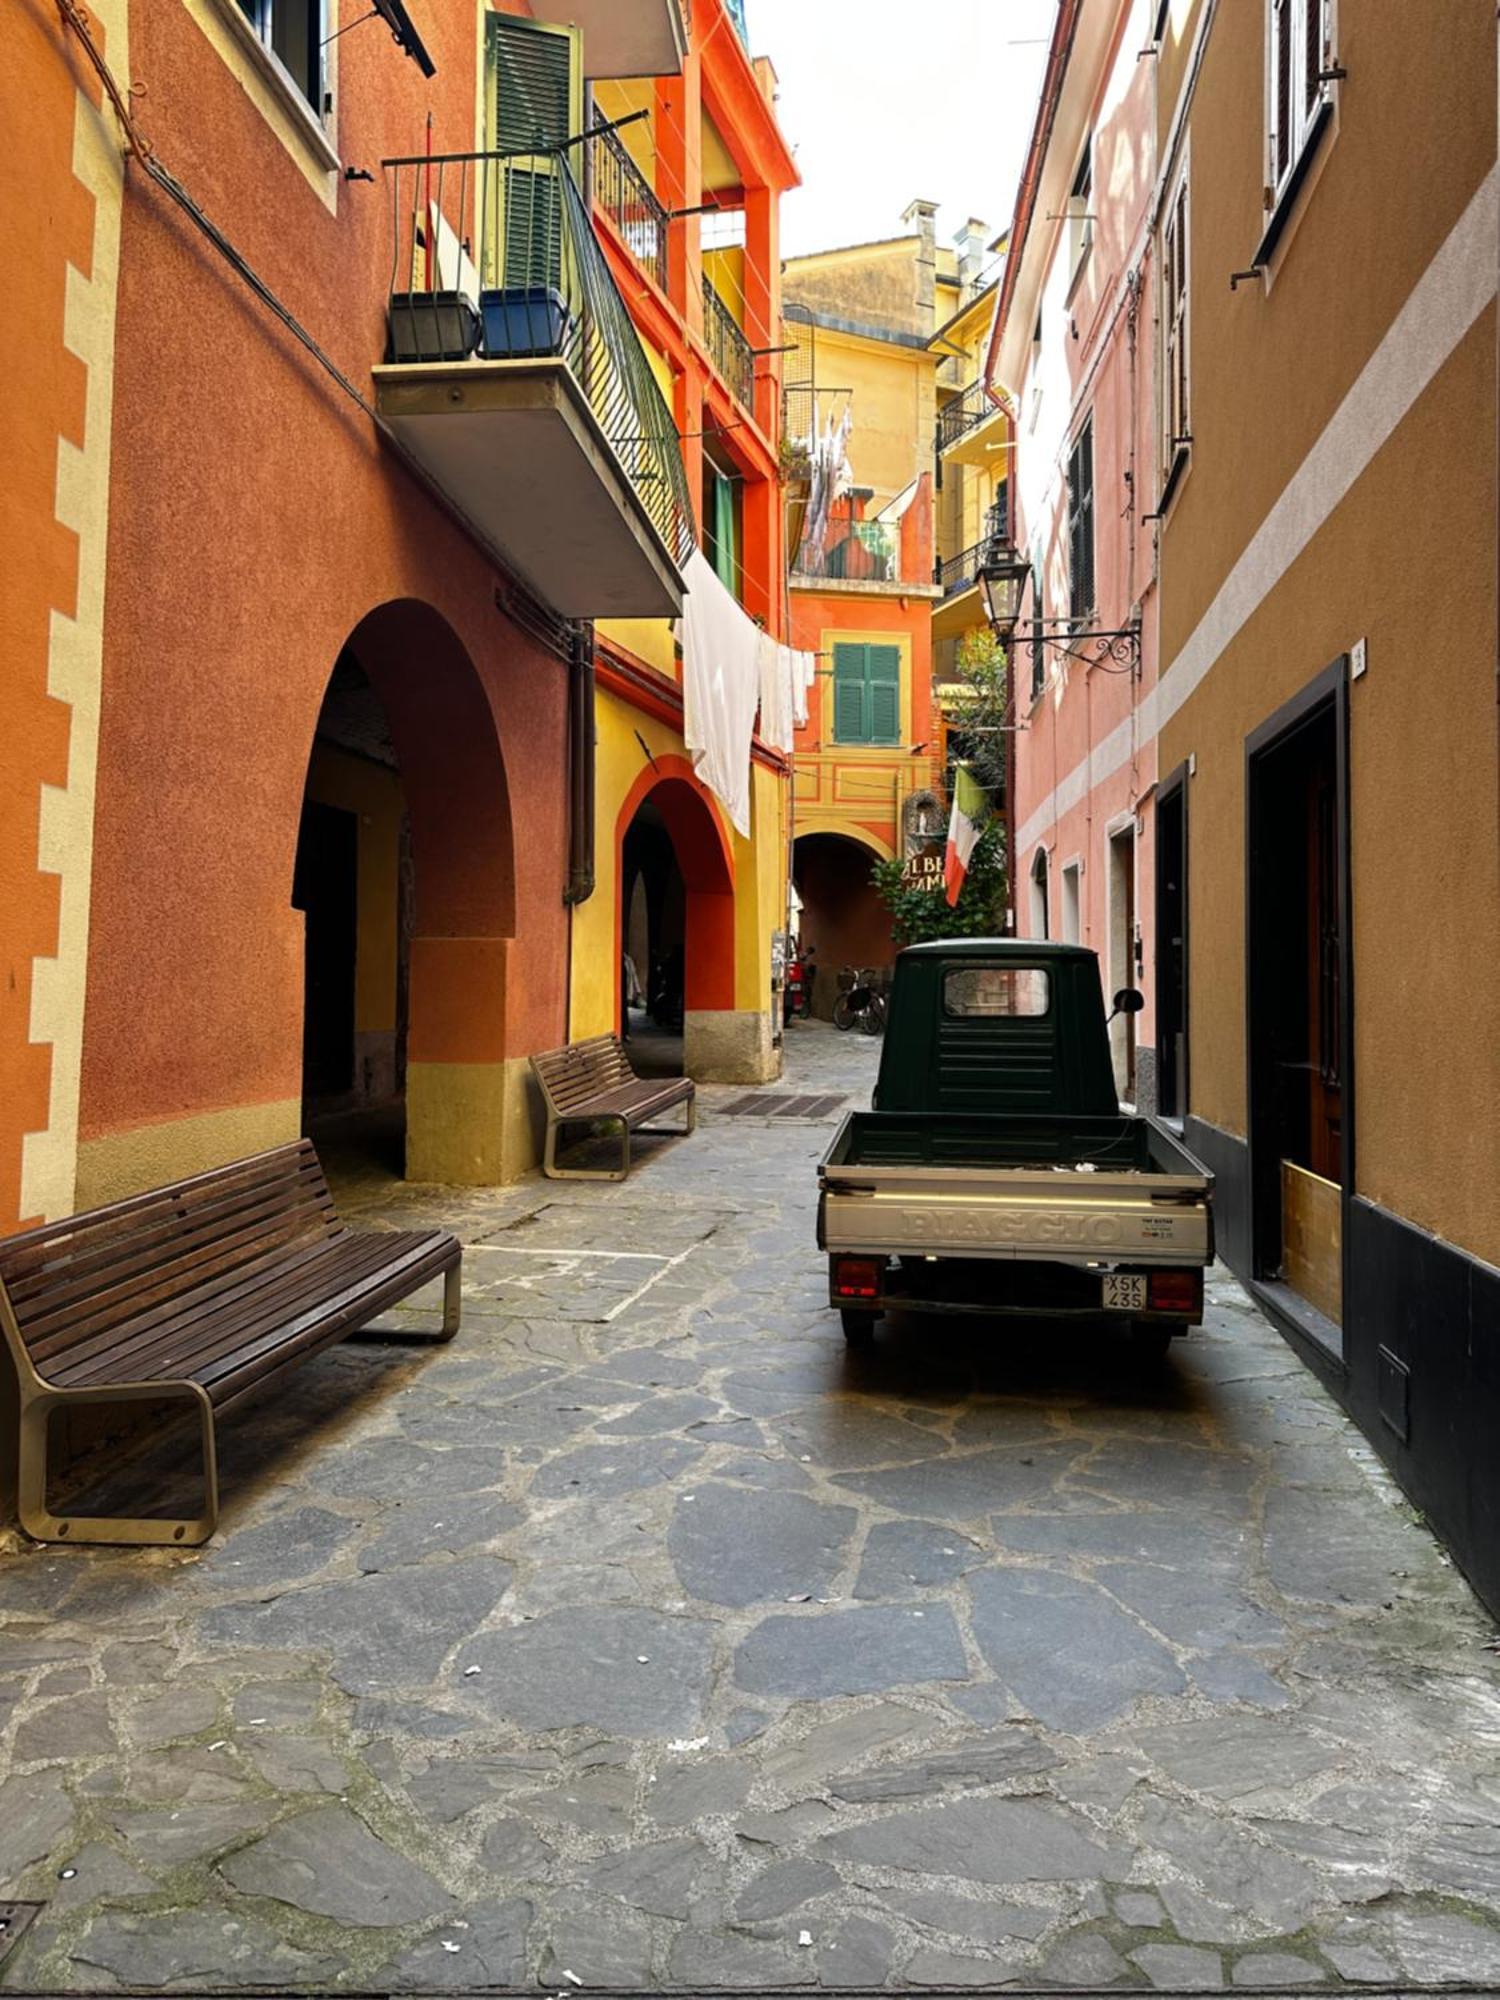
859,1002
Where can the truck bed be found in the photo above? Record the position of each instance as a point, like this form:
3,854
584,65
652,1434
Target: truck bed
1084,1190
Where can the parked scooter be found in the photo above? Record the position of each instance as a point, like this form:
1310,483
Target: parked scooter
800,973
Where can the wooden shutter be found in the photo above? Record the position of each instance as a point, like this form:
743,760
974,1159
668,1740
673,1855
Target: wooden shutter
1081,523
883,693
1314,50
851,720
534,98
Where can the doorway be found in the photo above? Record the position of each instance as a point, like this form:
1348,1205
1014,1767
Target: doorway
654,968
325,888
1122,955
1037,887
1300,1001
1171,947
844,922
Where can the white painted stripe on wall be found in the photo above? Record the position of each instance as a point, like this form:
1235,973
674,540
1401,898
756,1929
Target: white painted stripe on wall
1440,309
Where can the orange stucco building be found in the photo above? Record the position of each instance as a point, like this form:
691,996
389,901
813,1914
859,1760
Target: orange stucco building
299,617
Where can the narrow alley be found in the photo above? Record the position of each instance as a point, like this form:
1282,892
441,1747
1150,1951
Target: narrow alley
643,1637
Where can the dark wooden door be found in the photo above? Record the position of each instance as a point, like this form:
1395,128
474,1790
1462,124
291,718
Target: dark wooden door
326,889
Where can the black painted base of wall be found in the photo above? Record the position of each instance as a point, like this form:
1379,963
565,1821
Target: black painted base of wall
1420,1372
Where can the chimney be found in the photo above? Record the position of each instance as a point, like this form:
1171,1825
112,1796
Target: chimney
921,218
971,257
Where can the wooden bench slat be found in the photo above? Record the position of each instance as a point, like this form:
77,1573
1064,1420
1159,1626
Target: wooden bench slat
594,1079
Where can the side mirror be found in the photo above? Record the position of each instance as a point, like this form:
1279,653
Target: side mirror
1129,1000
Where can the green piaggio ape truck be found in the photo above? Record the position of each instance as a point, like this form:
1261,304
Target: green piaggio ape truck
996,1173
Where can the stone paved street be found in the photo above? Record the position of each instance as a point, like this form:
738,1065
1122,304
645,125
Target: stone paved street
642,1637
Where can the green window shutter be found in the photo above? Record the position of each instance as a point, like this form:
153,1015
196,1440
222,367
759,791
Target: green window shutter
533,98
851,720
883,699
534,76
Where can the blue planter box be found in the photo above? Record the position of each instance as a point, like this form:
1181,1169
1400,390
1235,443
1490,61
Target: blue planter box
523,320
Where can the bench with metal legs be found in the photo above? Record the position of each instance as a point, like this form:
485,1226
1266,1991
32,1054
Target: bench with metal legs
592,1084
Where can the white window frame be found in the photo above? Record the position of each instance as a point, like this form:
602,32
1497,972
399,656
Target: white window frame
311,124
1302,111
1080,213
1176,320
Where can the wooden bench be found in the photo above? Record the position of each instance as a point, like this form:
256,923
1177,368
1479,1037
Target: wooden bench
208,1290
592,1083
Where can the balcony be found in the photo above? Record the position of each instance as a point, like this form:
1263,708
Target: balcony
850,551
731,354
957,577
624,194
970,425
624,37
517,383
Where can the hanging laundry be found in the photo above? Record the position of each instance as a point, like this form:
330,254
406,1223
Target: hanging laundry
720,688
779,669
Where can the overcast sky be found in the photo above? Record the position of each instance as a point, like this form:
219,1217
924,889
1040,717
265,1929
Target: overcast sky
888,100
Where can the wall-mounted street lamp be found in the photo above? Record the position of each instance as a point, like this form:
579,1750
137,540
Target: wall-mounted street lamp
1002,582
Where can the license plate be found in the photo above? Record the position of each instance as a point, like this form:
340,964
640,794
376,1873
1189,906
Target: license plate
1127,1294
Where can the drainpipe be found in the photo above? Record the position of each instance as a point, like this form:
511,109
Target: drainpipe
580,766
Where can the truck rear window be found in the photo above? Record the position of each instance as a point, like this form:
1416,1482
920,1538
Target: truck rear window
987,990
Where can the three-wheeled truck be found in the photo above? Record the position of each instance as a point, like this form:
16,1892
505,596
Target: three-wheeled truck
996,1173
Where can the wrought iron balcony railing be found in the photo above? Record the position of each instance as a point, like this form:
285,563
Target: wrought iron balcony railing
965,413
728,349
630,202
961,572
851,549
494,258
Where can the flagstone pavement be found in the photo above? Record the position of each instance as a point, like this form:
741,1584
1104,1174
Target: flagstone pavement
642,1637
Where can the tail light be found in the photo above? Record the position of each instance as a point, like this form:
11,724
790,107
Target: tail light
856,1278
1175,1291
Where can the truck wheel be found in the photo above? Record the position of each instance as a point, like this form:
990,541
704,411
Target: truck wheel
1149,1342
859,1328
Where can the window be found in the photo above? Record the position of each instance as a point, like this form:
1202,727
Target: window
866,694
1072,929
534,97
1038,885
1297,52
987,991
293,31
1175,325
1081,523
1080,221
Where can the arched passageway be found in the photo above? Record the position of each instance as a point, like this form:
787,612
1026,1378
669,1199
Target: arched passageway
675,921
405,874
843,920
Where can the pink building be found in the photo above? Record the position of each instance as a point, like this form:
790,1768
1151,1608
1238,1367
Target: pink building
1072,350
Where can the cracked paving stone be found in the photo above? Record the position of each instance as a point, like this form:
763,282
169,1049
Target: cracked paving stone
1191,1607
982,1921
723,1958
35,1813
1140,1909
76,1727
198,1948
167,1718
638,1673
835,1745
787,1828
862,1651
450,1787
167,1839
329,1863
1333,1549
1360,1964
491,1952
1277,1968
1236,1758
297,1763
717,1786
1016,1754
99,1871
393,1468
410,1718
1084,1960
1193,1545
785,1886
606,1471
966,1489
903,1556
735,1547
662,1879
271,1704
843,1433
1231,1867
191,1774
858,1954
1237,1677
278,1551
1184,1477
1074,1658
514,1850
383,1631
984,1840
660,1414
1180,1967
599,1943
415,1529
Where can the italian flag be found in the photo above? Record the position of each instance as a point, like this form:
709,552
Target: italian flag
971,810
